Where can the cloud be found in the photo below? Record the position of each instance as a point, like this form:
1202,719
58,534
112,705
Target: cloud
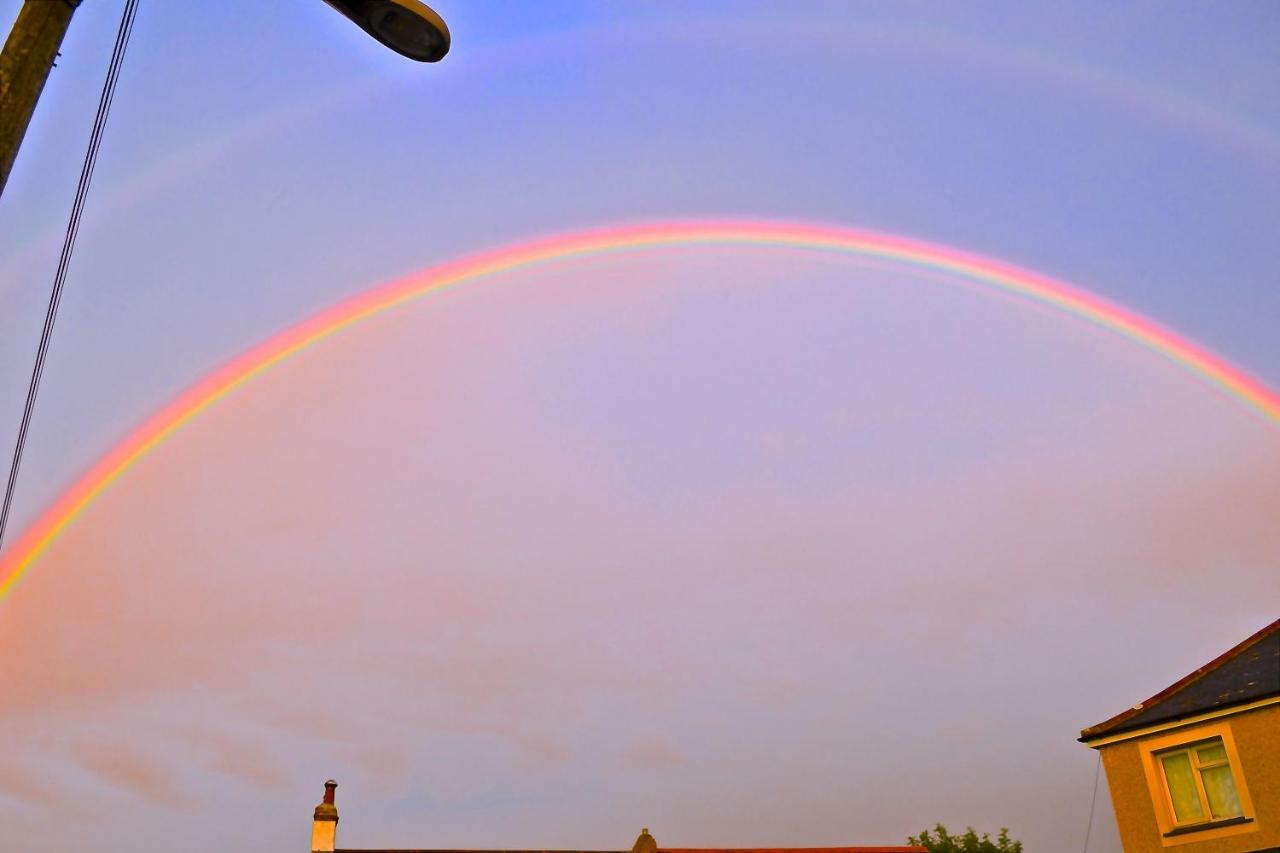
24,786
132,771
652,753
242,757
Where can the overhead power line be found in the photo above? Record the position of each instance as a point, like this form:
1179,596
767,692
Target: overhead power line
1093,801
123,34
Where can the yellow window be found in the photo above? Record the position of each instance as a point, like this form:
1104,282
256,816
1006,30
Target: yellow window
1200,784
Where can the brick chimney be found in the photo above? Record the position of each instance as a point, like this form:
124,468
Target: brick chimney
324,828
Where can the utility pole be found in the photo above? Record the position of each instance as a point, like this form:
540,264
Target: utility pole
29,53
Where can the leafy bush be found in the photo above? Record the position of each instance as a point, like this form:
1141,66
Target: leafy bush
941,841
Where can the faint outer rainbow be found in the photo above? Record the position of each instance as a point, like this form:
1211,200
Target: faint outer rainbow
997,276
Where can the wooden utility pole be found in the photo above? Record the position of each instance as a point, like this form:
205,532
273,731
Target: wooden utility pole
28,55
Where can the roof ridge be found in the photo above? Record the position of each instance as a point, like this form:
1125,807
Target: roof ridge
1181,684
855,848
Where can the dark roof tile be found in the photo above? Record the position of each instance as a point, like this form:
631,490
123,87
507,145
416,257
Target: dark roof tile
1248,672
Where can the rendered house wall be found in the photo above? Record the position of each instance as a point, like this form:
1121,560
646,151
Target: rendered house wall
1257,740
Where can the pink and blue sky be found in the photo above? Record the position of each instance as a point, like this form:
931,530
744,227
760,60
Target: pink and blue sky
752,547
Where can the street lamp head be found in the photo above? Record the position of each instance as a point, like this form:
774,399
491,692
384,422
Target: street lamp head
408,27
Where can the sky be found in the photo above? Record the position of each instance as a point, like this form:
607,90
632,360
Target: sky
748,546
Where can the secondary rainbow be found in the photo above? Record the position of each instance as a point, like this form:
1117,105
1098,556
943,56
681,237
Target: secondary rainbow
995,275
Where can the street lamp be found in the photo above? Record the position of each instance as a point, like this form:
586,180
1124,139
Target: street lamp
408,27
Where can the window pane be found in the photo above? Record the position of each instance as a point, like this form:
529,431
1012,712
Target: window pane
1182,787
1221,788
1211,753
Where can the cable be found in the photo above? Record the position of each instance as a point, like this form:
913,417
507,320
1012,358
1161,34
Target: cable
123,34
1093,801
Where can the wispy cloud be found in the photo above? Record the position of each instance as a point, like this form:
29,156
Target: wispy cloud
131,770
652,753
24,786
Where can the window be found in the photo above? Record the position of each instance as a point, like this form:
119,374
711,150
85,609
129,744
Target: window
1200,784
1197,784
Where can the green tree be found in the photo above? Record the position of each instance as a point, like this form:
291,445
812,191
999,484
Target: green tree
941,841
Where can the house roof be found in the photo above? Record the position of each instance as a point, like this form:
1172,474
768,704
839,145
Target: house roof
1246,673
644,844
668,850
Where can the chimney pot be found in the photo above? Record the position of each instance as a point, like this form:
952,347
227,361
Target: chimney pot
324,826
645,843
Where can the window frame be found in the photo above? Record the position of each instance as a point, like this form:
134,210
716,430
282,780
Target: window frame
1172,832
1192,751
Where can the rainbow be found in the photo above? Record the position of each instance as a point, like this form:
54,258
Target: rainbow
993,275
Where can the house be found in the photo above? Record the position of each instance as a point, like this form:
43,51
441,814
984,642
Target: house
1197,766
324,828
